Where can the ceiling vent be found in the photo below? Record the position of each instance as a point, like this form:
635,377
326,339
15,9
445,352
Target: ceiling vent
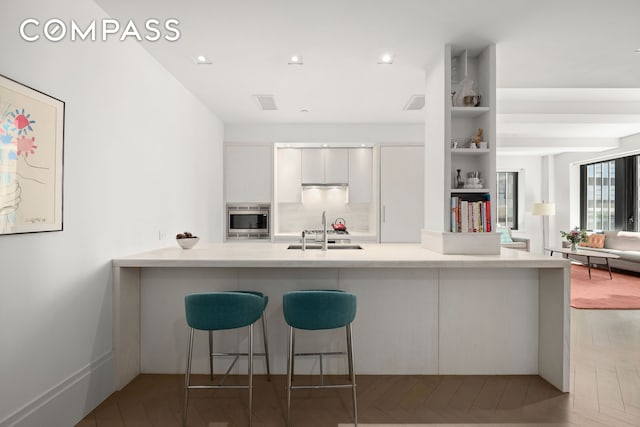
416,102
266,102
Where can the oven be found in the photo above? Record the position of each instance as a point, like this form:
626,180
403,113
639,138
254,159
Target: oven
248,221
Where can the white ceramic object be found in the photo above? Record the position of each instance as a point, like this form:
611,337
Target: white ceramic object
188,243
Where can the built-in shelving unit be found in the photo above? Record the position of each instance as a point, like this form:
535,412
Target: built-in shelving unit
460,191
470,151
461,125
462,220
469,111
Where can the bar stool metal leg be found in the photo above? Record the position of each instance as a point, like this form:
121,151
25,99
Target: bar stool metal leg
266,345
290,373
186,378
349,362
211,355
250,372
353,375
293,356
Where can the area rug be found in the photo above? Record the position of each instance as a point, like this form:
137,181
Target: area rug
600,292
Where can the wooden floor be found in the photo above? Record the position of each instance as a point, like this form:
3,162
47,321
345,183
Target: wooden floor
605,391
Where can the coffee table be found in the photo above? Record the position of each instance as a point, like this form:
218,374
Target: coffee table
585,253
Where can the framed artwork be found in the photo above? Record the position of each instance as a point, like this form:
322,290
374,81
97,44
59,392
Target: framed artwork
31,158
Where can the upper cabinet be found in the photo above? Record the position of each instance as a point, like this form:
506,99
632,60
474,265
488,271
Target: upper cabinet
360,175
325,165
336,165
312,165
248,173
289,175
297,166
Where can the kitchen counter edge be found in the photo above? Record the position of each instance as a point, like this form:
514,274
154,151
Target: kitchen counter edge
274,255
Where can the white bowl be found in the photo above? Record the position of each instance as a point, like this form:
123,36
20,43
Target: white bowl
188,243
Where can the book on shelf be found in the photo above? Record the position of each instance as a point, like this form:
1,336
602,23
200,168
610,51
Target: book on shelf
471,213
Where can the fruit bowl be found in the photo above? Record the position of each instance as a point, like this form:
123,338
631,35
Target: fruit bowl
188,243
187,240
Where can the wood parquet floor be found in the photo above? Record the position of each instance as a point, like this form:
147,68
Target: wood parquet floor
605,391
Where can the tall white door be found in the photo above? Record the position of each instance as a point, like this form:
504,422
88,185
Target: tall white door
401,193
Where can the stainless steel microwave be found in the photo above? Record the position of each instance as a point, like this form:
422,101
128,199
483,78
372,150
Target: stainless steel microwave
248,221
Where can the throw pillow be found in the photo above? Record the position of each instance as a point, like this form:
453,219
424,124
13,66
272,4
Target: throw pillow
505,235
596,240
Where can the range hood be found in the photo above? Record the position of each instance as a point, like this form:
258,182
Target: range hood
325,185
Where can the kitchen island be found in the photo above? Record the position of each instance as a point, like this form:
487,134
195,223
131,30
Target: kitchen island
419,312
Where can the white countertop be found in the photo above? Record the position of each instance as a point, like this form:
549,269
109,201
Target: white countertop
371,256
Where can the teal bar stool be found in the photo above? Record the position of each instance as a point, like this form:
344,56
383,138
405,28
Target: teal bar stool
213,354
216,311
318,310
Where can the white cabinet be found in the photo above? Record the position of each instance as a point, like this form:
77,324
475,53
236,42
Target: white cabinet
401,193
289,175
248,173
336,165
312,165
325,165
360,175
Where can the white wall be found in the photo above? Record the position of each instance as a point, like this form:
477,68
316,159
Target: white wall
436,130
141,155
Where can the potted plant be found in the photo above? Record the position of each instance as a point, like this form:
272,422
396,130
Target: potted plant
575,236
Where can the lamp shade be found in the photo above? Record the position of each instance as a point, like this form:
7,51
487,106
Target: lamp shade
544,209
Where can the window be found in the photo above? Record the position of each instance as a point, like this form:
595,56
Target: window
507,208
610,194
601,196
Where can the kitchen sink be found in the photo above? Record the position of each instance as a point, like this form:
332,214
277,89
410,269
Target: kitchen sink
330,246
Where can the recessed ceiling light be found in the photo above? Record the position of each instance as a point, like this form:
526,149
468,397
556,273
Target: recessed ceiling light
363,145
325,145
296,60
304,110
637,50
385,58
202,60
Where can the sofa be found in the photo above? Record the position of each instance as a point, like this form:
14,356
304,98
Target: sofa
625,244
507,240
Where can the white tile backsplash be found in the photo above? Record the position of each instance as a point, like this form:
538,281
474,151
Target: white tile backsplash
295,217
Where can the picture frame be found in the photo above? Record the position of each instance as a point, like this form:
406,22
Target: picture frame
31,159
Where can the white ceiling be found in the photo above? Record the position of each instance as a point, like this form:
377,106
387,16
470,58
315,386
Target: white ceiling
566,70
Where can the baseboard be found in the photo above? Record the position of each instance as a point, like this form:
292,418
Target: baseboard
66,403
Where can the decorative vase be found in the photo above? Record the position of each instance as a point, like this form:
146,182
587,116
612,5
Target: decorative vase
573,247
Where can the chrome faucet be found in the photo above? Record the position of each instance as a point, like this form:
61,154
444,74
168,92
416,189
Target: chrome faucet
325,239
304,240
